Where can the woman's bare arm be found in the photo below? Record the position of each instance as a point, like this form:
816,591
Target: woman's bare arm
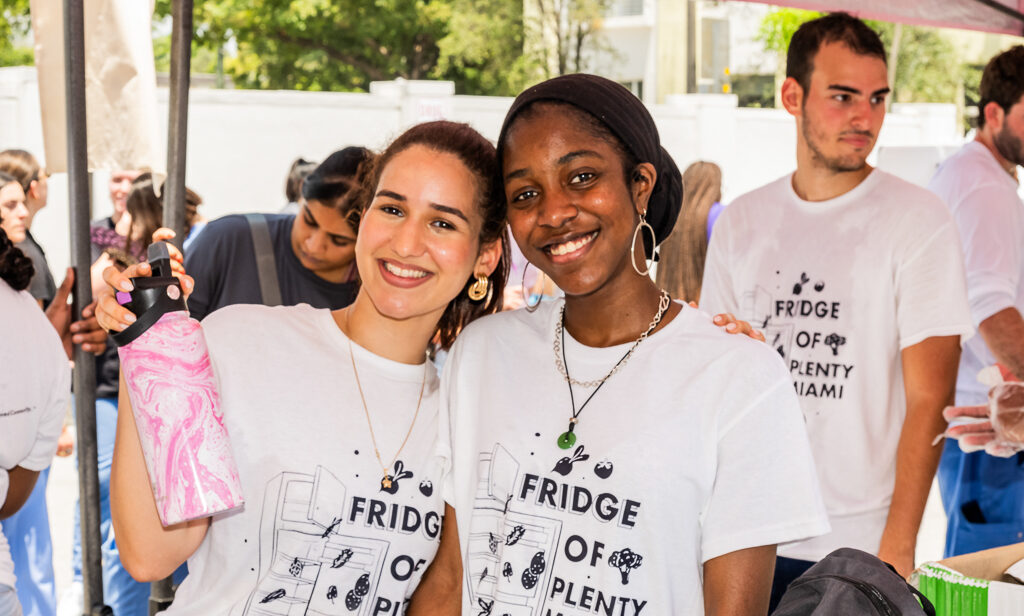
739,583
148,550
440,590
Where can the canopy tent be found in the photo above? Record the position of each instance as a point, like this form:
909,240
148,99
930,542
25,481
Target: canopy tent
1000,16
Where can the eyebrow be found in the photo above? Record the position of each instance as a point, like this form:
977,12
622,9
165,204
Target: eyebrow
440,207
842,88
561,161
577,154
390,193
447,209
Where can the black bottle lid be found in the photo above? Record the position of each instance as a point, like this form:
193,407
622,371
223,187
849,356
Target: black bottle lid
153,296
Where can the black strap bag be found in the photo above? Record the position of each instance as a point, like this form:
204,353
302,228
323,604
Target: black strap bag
850,582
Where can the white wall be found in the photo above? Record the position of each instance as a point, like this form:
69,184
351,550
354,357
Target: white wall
241,142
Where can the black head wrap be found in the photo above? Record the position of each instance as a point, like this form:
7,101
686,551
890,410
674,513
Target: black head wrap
628,119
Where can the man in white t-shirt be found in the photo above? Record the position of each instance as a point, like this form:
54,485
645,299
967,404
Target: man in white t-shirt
857,279
984,495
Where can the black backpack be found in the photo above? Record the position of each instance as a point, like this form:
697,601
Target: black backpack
849,582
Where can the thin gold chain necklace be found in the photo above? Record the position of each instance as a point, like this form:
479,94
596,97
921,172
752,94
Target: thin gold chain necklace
387,480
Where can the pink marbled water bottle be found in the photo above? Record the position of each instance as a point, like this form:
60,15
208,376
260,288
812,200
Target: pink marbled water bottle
175,401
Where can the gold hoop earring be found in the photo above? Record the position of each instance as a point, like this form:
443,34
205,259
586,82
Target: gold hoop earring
479,289
526,297
643,224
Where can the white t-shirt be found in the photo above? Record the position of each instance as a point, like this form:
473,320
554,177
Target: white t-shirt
317,534
840,288
694,449
990,217
35,390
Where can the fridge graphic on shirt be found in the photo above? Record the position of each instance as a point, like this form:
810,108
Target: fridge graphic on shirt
510,554
306,567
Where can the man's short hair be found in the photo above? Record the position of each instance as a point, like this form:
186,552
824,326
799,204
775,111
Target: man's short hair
1002,82
832,28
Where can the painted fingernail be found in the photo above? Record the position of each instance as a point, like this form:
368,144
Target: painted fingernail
718,319
189,284
125,285
130,318
731,327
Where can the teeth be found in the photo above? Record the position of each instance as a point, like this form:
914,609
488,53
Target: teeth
564,249
404,273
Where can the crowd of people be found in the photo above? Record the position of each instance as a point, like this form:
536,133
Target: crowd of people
419,427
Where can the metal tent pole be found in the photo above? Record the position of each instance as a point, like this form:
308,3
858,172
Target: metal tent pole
85,363
1002,8
177,123
162,592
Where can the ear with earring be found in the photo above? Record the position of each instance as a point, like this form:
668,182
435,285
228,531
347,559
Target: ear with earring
638,232
526,295
480,289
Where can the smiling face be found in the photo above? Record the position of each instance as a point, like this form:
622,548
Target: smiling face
840,114
13,211
323,241
569,206
120,186
418,241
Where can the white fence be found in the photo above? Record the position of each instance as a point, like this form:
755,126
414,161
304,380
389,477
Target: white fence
241,142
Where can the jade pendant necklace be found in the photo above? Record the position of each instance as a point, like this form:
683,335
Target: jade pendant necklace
568,438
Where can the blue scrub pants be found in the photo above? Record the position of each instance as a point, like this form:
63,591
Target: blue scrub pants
28,534
984,499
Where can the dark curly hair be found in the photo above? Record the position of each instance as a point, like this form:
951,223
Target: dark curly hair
480,157
15,268
1002,82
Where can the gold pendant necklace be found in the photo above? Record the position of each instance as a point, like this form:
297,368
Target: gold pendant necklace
387,481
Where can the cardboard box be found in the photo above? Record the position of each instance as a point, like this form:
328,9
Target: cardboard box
974,584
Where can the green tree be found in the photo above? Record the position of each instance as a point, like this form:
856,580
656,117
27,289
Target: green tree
346,44
14,26
322,44
567,34
204,59
928,67
482,51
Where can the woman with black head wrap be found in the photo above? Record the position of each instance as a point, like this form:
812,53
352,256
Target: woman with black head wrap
614,452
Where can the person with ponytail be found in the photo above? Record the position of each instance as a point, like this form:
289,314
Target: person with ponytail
614,450
35,379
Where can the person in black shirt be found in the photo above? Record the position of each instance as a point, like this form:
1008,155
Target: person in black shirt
313,251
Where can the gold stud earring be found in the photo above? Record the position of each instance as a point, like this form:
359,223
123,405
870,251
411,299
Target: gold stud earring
478,290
